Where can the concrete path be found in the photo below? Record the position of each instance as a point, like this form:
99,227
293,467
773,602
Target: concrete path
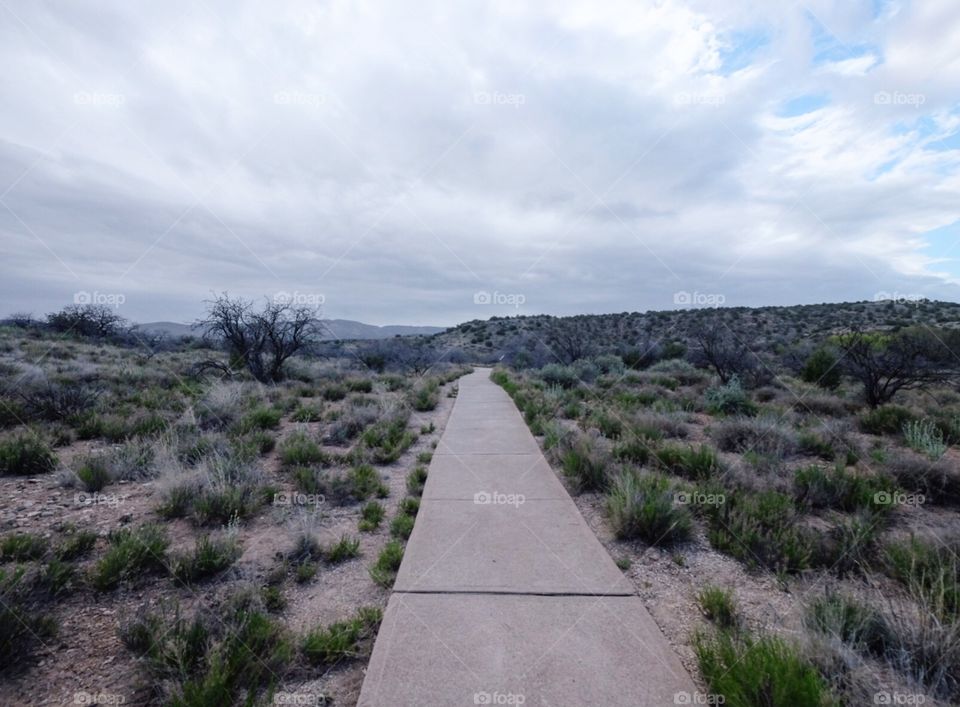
505,596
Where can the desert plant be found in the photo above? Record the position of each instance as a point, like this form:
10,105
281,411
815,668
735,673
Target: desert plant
425,397
210,557
642,506
719,606
371,515
696,464
729,399
384,570
343,639
583,464
751,671
822,368
131,553
925,437
416,480
93,473
344,549
20,547
26,455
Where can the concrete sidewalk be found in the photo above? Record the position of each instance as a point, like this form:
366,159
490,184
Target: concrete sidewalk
505,596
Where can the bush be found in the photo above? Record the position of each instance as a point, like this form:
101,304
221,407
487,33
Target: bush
219,658
416,480
885,420
350,424
642,506
925,437
822,369
299,449
938,481
26,455
371,515
209,557
761,435
360,385
261,418
307,413
718,606
636,450
556,374
76,544
131,553
729,399
343,639
759,529
851,621
21,626
751,671
388,439
384,570
345,549
21,547
334,392
93,474
401,526
426,397
837,488
930,570
583,464
696,464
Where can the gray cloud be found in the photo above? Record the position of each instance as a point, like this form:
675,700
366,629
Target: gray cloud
591,159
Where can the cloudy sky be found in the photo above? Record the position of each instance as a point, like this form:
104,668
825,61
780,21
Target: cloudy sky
433,162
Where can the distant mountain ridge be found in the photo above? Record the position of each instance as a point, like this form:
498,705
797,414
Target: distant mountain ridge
333,329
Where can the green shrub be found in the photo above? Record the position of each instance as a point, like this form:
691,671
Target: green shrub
759,529
930,570
583,464
371,515
299,449
416,480
885,420
21,547
343,639
307,413
822,369
850,544
334,392
762,435
360,385
131,553
367,482
218,657
729,399
76,544
925,437
696,464
345,549
426,396
609,425
210,557
22,627
555,374
384,570
757,672
718,605
93,474
637,450
837,488
401,526
851,621
642,506
26,455
388,439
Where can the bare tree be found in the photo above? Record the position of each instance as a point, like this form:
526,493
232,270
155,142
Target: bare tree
93,320
888,363
261,341
568,339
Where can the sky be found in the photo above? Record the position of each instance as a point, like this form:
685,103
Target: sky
436,162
